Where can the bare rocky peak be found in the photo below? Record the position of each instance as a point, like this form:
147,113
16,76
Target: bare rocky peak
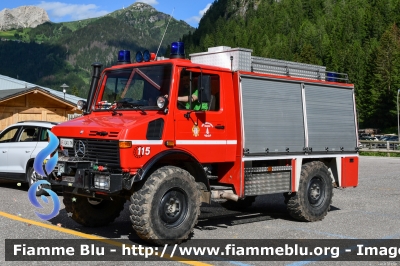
138,6
22,17
140,13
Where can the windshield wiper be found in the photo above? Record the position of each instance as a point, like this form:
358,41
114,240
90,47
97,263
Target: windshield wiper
114,112
138,107
130,103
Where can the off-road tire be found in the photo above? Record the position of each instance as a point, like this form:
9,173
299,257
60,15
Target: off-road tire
92,215
240,205
32,177
287,197
314,197
165,208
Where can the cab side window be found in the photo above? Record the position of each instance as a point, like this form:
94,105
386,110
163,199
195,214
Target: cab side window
215,93
184,83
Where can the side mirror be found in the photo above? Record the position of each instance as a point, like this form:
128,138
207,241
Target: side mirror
204,85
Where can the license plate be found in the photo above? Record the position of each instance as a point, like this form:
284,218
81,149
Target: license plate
67,143
70,179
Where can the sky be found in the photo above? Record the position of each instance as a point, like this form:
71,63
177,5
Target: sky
190,11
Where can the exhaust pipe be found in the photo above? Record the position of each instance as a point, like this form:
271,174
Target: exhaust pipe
229,196
222,194
93,85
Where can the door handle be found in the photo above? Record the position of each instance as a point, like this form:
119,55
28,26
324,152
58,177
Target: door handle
4,151
27,151
220,127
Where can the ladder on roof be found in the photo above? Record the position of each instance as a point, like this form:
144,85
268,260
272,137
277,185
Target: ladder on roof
241,59
295,69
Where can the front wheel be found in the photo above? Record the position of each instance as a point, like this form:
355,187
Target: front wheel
92,212
165,208
314,197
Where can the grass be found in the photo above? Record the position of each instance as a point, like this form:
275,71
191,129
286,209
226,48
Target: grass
75,25
8,34
379,154
24,37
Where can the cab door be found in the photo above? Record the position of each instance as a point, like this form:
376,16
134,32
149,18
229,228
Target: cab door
201,132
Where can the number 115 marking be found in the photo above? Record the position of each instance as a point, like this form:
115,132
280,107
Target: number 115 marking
143,151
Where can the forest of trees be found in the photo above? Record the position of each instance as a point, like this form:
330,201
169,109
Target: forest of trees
357,37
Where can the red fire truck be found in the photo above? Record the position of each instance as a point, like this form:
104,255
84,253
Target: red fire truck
169,134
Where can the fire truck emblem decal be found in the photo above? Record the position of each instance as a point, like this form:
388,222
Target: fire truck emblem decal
79,149
196,130
207,125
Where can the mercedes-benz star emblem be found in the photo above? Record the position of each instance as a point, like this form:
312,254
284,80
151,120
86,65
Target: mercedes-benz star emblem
80,149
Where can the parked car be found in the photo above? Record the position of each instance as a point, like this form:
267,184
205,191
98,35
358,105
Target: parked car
368,144
19,145
389,138
369,138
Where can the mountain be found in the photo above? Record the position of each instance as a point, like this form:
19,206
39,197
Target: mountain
55,53
22,17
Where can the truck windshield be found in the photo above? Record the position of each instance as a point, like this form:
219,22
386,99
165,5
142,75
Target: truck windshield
131,88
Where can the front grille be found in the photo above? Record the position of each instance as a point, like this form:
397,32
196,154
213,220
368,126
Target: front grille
104,152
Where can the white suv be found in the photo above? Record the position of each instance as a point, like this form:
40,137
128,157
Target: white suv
19,145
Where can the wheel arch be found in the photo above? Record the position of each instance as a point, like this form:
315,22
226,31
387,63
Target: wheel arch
176,158
334,167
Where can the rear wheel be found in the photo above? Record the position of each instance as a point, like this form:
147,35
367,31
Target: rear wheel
165,208
287,197
314,197
92,212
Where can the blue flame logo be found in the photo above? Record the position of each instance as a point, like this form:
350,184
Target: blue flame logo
36,203
48,168
51,163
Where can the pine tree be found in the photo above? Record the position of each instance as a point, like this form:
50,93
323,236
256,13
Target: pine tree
386,79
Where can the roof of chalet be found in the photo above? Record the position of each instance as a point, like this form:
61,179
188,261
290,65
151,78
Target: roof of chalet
10,88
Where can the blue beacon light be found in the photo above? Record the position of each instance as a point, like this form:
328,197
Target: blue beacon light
177,50
124,57
146,56
139,57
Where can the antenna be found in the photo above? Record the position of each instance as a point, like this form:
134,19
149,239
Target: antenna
165,31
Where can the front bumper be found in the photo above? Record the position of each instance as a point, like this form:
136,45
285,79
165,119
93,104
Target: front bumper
74,173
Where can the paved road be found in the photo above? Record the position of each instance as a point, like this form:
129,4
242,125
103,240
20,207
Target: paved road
370,211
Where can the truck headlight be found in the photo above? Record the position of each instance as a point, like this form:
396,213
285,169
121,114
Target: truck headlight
162,102
102,181
81,105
